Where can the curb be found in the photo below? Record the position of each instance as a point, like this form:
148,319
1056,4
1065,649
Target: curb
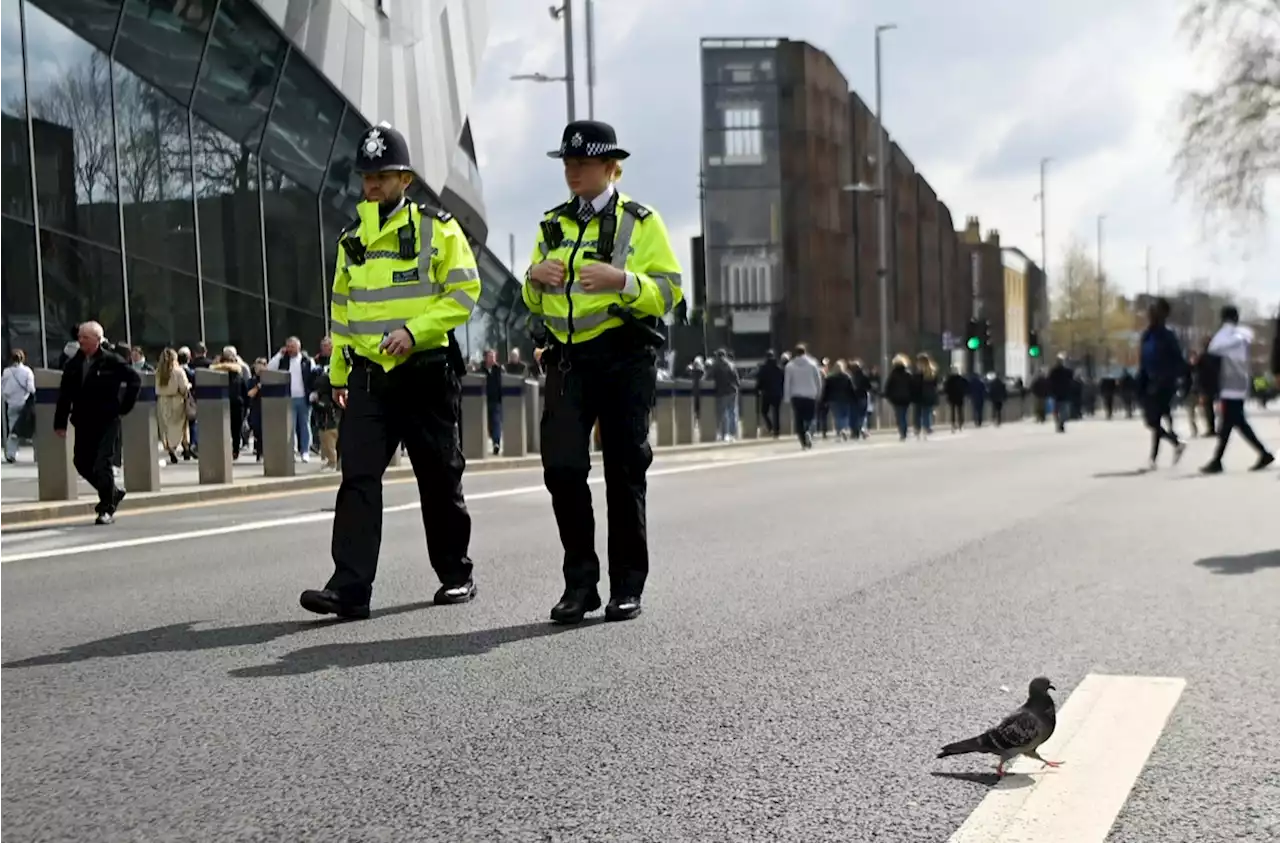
31,513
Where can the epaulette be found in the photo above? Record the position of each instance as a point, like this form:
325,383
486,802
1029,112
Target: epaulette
350,227
636,210
439,213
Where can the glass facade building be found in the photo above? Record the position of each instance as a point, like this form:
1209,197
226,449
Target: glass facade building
179,170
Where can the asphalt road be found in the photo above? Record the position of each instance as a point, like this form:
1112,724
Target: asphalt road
815,627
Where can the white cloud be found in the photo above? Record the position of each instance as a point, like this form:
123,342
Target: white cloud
975,93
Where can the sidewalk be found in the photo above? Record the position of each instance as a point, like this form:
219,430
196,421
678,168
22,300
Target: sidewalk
181,482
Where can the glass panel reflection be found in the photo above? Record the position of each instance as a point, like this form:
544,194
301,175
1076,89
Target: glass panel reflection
227,201
164,307
287,322
93,20
20,294
294,272
74,138
162,40
155,174
234,318
81,281
15,179
239,72
303,123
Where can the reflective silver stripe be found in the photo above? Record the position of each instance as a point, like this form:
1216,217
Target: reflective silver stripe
580,323
339,298
622,244
665,281
380,254
334,332
375,326
461,297
544,248
396,292
461,275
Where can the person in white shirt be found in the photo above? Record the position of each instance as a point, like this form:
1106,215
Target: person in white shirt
1231,346
18,383
294,360
801,386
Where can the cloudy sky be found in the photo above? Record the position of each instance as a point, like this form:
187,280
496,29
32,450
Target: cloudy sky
976,93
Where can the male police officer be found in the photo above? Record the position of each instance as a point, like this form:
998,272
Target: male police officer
405,279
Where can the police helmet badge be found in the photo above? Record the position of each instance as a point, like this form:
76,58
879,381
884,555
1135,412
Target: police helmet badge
374,145
576,140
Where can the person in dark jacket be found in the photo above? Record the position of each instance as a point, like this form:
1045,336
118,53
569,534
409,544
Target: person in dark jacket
1107,388
493,398
1040,396
769,383
1061,388
924,395
977,397
898,392
254,393
838,394
1208,372
956,388
1128,392
98,387
1162,367
237,397
862,396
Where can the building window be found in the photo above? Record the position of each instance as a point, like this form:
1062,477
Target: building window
743,136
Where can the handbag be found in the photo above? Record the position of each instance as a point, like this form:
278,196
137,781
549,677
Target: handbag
189,404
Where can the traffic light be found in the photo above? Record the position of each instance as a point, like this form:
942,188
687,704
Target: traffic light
973,337
1033,346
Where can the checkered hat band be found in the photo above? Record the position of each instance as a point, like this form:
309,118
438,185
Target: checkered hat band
592,149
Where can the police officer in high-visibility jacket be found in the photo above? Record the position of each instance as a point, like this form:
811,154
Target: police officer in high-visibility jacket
602,276
405,279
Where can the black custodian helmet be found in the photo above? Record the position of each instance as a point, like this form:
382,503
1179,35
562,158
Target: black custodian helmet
382,149
589,139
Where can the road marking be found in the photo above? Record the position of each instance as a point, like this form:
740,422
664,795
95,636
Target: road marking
1105,733
316,517
31,535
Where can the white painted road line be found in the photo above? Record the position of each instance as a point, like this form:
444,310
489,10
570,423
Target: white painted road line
1105,733
316,517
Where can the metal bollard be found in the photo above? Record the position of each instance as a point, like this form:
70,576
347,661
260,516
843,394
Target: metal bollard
749,409
213,414
533,414
138,441
473,426
515,431
684,411
664,412
277,425
55,467
708,418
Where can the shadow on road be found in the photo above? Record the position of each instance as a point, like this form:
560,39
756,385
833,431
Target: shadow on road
1248,564
1014,781
183,637
423,648
1136,472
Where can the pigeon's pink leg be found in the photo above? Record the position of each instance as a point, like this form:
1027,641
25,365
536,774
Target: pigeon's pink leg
1000,769
1052,763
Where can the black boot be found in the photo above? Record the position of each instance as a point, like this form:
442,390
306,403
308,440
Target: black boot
450,595
575,604
622,608
327,602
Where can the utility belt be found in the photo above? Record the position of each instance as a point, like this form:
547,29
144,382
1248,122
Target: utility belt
621,341
450,354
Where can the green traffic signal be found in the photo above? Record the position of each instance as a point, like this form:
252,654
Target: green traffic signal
973,343
1034,351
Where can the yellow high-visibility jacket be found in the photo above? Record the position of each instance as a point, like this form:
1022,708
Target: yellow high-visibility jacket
640,247
386,280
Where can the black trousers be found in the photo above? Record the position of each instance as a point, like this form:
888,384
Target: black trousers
417,404
771,412
804,410
1156,407
611,380
1233,419
93,457
1210,420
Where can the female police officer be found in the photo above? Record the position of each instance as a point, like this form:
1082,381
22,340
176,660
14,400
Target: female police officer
602,275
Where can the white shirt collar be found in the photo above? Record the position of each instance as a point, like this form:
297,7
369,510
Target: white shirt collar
600,201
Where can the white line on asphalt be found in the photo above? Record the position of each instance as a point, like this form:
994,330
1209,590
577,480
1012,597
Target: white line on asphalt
1105,733
315,517
31,535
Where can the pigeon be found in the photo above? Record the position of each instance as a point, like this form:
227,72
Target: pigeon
1021,733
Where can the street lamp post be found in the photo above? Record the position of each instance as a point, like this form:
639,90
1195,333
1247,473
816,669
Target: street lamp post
882,196
564,13
1102,327
1043,198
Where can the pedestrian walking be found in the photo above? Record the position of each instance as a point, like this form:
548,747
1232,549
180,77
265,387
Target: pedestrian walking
405,278
1161,369
98,387
602,275
801,387
18,386
1231,346
493,398
769,389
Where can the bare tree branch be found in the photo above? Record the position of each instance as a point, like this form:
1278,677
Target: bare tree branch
1230,145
